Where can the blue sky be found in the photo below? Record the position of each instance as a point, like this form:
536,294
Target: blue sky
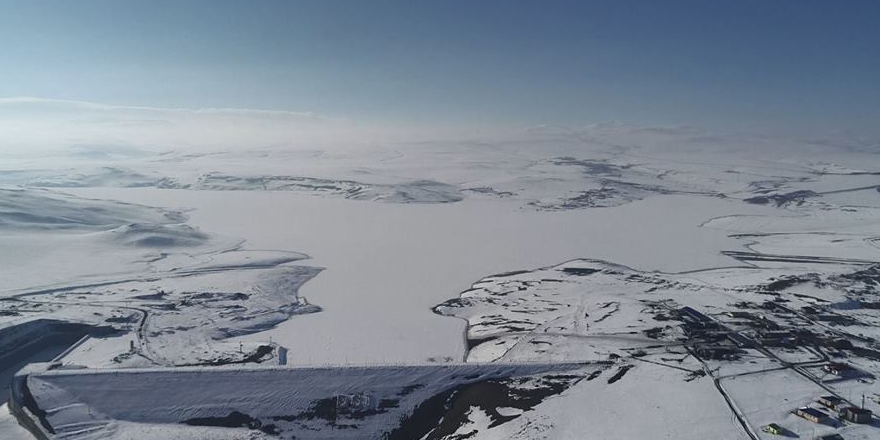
765,65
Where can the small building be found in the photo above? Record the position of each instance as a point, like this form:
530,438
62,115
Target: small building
693,314
282,355
740,340
831,437
774,334
835,319
776,338
767,323
773,429
740,315
838,343
811,414
832,402
779,342
717,352
856,415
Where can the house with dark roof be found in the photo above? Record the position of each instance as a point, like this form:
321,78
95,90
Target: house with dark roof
832,402
812,414
856,415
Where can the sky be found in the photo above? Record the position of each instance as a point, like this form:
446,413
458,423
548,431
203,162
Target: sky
409,66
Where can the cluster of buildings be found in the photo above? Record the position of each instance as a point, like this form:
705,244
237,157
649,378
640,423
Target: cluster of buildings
716,341
845,412
713,340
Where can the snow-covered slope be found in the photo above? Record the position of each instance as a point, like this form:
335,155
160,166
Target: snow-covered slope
175,289
394,402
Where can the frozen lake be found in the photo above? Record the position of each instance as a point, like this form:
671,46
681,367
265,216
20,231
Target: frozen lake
387,264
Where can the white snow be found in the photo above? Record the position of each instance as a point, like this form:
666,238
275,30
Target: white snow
342,256
10,428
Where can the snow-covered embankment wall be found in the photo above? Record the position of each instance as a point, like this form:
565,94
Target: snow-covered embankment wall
305,396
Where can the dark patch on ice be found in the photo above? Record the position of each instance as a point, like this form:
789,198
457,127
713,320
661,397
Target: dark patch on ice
218,296
783,283
579,271
594,375
611,193
756,256
614,306
694,374
795,197
235,419
592,167
152,296
654,333
489,191
261,354
127,319
619,374
865,352
473,342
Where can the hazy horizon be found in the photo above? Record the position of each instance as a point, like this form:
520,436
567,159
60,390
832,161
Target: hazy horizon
227,74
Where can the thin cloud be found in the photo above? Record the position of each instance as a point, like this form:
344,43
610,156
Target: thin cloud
88,105
32,122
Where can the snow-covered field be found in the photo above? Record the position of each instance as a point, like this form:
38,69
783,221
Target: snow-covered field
599,254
